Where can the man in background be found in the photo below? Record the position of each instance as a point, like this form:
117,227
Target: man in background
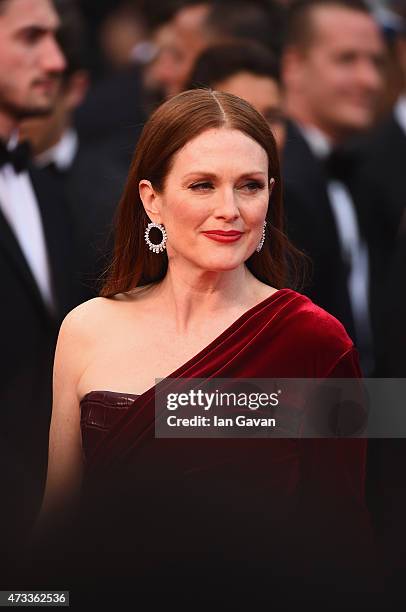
332,77
84,179
381,193
31,265
197,25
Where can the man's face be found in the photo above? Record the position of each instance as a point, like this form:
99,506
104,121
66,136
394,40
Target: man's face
30,59
179,42
45,131
340,72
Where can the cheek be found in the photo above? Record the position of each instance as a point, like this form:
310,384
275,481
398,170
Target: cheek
254,211
325,77
19,56
180,215
339,78
11,61
22,71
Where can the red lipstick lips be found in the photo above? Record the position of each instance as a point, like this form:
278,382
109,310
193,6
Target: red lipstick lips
223,236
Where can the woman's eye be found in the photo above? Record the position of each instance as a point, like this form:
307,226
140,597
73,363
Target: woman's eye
201,186
252,186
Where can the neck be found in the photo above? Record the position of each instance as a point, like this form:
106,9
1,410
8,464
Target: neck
7,126
196,297
53,139
301,115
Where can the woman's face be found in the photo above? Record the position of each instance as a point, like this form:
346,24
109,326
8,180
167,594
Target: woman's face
214,200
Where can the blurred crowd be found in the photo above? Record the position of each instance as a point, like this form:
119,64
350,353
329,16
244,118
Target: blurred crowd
329,76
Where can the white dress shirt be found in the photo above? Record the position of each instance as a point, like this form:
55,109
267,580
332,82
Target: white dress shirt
62,154
19,206
400,112
400,116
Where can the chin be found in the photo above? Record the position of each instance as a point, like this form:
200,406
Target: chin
359,119
223,266
32,111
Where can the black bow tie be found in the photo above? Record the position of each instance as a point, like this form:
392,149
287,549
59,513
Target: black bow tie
18,157
339,165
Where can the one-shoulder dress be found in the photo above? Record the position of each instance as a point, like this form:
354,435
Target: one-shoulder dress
283,508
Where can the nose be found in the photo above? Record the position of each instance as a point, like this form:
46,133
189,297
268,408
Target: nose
227,205
53,58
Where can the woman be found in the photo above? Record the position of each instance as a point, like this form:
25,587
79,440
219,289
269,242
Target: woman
204,299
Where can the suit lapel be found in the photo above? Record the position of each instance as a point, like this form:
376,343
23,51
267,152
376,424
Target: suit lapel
396,135
58,231
12,251
303,172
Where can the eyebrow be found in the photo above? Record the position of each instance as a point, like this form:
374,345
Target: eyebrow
52,25
213,175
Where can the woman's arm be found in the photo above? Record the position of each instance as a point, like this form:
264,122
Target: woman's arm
65,447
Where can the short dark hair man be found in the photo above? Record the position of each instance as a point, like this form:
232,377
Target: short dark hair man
332,77
30,60
30,64
71,174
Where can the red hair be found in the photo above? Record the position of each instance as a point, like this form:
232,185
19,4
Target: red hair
169,128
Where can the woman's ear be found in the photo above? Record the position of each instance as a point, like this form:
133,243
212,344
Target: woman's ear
151,200
271,186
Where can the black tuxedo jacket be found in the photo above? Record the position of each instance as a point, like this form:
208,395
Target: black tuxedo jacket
77,209
381,194
386,480
311,227
393,356
28,333
92,188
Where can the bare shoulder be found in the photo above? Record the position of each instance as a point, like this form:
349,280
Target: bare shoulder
90,320
78,339
87,318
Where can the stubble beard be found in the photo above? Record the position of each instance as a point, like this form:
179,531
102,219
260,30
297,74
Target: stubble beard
19,112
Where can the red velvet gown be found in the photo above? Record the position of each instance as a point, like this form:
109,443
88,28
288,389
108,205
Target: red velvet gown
288,509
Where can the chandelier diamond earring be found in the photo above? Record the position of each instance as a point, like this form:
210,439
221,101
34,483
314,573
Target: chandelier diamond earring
261,244
156,248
